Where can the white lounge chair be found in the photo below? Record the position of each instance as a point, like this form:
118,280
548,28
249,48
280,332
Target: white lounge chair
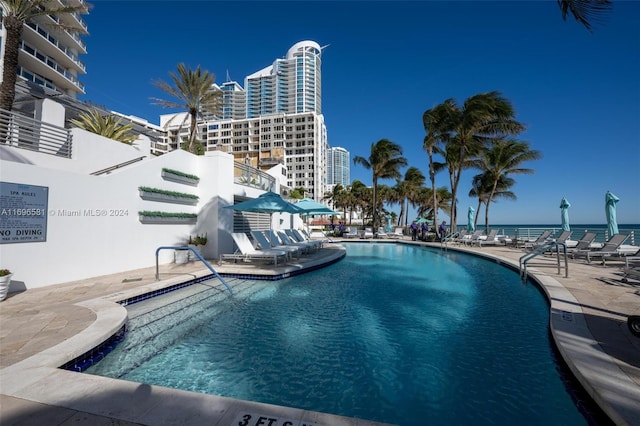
397,233
353,233
246,252
382,233
367,233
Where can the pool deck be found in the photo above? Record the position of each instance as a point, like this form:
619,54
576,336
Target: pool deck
43,328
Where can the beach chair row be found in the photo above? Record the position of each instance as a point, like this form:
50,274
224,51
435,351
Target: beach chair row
273,246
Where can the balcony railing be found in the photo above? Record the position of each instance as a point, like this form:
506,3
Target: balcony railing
26,133
249,176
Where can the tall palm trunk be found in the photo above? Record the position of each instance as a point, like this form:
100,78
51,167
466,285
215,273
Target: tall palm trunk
432,178
10,65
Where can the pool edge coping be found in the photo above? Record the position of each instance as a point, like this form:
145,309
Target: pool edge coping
615,392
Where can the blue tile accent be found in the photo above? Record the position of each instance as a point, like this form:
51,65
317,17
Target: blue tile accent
89,358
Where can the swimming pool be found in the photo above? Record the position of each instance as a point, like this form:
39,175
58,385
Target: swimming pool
392,333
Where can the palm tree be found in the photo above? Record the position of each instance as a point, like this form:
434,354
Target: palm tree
483,118
297,193
584,11
195,91
501,159
358,194
397,196
414,182
333,195
385,161
435,123
109,126
15,14
424,201
481,187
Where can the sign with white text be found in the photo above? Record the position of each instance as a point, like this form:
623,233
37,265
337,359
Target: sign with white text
23,213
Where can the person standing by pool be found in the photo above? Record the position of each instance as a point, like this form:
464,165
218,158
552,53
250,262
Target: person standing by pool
443,230
425,229
414,230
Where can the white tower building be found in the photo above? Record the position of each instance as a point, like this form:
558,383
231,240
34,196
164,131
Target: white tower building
338,167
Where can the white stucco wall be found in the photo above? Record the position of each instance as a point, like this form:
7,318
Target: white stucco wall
106,235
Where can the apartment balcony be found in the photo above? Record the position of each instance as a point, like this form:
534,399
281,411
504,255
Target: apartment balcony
53,47
270,162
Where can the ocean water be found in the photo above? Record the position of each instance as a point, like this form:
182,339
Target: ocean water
528,230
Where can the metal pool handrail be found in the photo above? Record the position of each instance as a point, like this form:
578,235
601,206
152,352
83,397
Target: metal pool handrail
197,255
542,249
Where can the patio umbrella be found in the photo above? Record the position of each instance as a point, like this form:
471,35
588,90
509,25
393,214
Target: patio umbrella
309,207
269,202
564,212
389,223
423,220
610,210
470,216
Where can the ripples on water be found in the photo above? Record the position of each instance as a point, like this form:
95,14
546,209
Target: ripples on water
391,333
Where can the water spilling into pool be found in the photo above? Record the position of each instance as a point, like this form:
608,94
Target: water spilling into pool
391,333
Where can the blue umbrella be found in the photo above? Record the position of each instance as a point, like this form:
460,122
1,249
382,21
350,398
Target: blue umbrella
269,202
470,216
308,206
564,211
388,223
610,210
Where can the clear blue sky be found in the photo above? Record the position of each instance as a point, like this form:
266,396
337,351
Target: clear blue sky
578,92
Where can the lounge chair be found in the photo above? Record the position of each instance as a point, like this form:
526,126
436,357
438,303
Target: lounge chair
563,237
540,241
397,233
584,243
288,241
298,236
608,250
273,243
247,252
284,242
382,233
353,233
367,233
459,236
473,238
630,272
491,239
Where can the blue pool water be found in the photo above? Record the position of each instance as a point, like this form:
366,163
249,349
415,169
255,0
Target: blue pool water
391,333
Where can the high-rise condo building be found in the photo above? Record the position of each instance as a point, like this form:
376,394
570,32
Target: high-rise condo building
276,119
290,85
49,56
338,167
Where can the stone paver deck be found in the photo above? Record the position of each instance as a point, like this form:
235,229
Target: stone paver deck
43,328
